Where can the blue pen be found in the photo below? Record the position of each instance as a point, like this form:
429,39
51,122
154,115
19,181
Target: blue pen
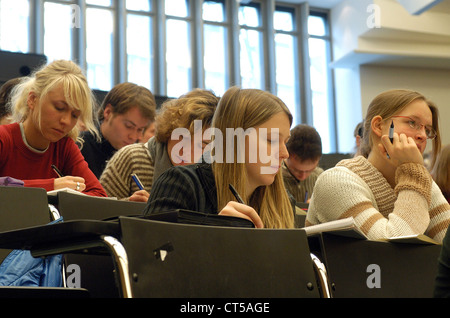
306,196
137,181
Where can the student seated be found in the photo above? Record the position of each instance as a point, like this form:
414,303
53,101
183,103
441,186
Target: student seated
5,91
150,159
125,113
46,108
441,171
388,190
250,128
301,169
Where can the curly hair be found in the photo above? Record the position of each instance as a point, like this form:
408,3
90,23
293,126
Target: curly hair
198,104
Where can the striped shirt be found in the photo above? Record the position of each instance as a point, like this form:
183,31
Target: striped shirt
356,188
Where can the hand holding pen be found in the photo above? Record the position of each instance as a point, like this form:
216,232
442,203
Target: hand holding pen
76,183
240,209
400,148
141,195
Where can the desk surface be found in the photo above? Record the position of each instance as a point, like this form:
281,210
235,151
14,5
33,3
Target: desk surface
37,236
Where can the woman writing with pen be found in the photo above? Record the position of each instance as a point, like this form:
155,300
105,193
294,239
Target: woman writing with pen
388,191
39,147
257,190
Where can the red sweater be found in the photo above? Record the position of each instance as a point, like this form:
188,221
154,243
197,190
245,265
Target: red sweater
18,161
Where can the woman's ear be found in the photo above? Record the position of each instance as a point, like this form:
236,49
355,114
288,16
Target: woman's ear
31,100
376,124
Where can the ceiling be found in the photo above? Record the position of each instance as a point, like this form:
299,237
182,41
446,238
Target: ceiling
443,6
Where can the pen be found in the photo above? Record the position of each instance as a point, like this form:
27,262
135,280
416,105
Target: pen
57,171
306,196
236,195
391,132
391,135
137,181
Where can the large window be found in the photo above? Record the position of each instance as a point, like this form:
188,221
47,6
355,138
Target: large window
173,46
319,53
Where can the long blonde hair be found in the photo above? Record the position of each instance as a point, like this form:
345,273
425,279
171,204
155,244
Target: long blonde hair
246,108
77,93
389,103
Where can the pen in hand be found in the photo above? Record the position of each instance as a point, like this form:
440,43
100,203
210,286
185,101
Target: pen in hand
57,171
235,193
137,181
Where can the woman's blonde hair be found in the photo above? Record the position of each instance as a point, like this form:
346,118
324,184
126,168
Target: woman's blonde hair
198,104
247,108
77,93
388,104
440,171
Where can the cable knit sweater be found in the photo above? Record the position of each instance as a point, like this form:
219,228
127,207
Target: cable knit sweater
356,188
146,160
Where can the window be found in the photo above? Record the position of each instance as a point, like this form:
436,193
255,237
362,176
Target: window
139,46
173,46
57,31
14,25
285,60
250,46
178,47
99,45
319,52
215,46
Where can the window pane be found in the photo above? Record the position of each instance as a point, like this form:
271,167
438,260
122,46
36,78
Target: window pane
138,50
104,3
14,16
138,5
177,8
316,26
319,87
251,66
283,21
285,72
178,58
57,31
249,15
213,11
99,48
215,59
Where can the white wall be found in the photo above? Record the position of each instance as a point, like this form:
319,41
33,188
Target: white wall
433,83
401,51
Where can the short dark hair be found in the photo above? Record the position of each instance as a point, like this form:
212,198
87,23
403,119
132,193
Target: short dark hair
124,96
305,143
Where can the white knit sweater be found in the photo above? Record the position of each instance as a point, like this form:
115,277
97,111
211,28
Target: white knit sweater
356,188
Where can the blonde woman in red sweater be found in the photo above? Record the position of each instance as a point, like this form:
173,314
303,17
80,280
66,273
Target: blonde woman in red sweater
46,108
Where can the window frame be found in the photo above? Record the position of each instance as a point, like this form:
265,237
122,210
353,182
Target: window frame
158,79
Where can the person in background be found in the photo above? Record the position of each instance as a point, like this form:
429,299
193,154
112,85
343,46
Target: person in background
45,110
5,90
149,132
255,175
150,159
387,190
301,170
441,171
125,113
358,134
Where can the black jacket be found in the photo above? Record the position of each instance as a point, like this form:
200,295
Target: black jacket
189,187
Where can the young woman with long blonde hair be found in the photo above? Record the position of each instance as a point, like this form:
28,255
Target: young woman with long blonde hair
250,164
